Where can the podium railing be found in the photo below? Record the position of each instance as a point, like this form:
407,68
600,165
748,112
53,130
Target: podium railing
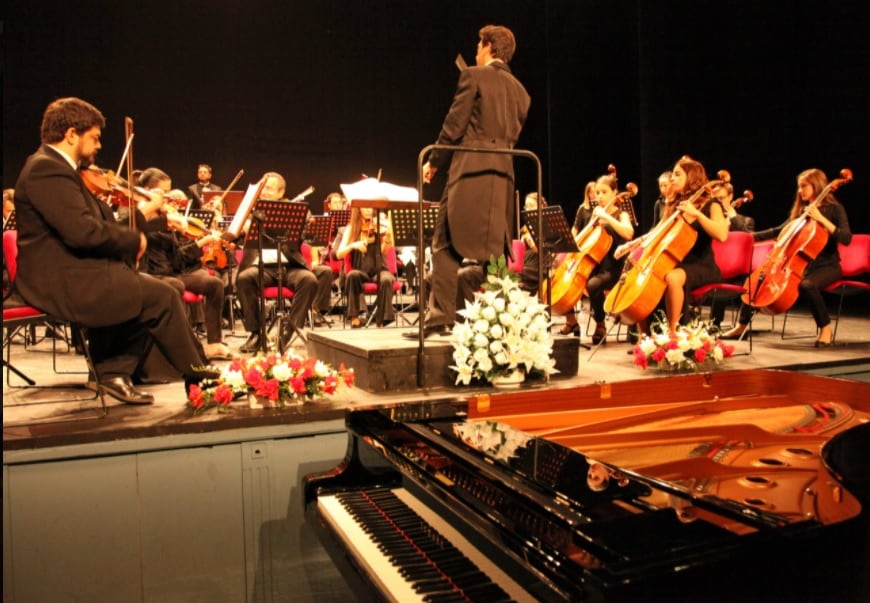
421,302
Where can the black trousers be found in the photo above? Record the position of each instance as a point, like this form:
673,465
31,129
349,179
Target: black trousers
120,349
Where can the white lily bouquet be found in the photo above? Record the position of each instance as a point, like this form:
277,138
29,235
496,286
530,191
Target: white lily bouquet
505,329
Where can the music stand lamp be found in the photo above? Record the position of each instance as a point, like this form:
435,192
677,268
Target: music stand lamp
279,222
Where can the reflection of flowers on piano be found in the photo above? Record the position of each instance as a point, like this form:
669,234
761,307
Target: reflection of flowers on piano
505,328
494,439
691,346
280,378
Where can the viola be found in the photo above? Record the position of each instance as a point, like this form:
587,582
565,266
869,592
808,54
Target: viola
773,287
642,284
594,242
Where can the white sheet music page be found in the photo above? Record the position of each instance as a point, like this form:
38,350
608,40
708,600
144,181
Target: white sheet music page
372,188
245,208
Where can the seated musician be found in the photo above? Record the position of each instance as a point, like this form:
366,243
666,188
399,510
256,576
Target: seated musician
666,196
707,217
92,281
311,286
177,259
736,221
825,268
531,260
618,224
586,205
365,247
203,184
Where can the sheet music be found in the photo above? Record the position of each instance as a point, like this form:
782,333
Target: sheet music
371,188
245,208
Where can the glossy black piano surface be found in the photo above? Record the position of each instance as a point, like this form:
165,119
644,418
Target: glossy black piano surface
600,497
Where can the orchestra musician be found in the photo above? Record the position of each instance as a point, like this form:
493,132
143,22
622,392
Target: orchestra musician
666,196
489,109
531,258
825,268
724,192
364,242
177,259
311,286
707,218
203,184
617,223
92,281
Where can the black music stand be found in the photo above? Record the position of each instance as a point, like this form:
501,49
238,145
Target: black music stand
280,223
10,223
556,238
405,225
206,216
317,231
339,218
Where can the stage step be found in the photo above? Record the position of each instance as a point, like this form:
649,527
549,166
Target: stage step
384,361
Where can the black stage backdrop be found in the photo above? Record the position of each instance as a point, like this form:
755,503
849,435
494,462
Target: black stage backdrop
327,90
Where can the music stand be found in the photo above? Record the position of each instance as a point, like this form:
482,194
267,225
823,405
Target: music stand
556,238
317,231
279,222
405,225
339,218
10,223
206,216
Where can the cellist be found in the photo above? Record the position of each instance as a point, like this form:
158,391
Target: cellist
825,268
707,217
618,224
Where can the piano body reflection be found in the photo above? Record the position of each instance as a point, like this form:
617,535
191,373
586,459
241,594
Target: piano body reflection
700,487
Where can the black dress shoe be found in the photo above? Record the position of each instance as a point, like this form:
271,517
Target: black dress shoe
443,330
121,387
251,345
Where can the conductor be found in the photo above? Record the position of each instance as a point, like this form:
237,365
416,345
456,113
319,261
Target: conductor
488,111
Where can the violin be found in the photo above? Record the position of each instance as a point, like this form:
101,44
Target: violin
106,186
594,242
773,287
642,283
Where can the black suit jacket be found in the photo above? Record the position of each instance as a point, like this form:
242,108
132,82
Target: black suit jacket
73,258
489,109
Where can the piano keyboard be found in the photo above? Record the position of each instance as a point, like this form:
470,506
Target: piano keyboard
411,553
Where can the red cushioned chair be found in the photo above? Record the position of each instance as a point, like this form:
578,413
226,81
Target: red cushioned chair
734,259
17,315
854,262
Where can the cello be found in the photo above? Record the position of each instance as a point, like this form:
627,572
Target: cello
569,278
772,288
653,255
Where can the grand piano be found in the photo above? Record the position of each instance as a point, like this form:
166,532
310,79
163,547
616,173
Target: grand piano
736,485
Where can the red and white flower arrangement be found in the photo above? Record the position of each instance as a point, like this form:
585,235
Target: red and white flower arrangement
281,379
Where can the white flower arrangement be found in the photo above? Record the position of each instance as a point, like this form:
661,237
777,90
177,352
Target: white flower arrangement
505,329
497,440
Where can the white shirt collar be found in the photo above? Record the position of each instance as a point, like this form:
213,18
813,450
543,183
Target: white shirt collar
63,154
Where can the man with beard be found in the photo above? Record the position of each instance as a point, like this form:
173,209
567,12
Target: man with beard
92,280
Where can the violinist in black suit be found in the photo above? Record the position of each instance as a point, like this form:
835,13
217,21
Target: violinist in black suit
489,109
92,281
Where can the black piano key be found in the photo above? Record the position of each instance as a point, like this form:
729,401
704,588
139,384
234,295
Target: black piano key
431,564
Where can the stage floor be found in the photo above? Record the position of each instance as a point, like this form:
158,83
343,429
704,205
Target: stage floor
41,416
